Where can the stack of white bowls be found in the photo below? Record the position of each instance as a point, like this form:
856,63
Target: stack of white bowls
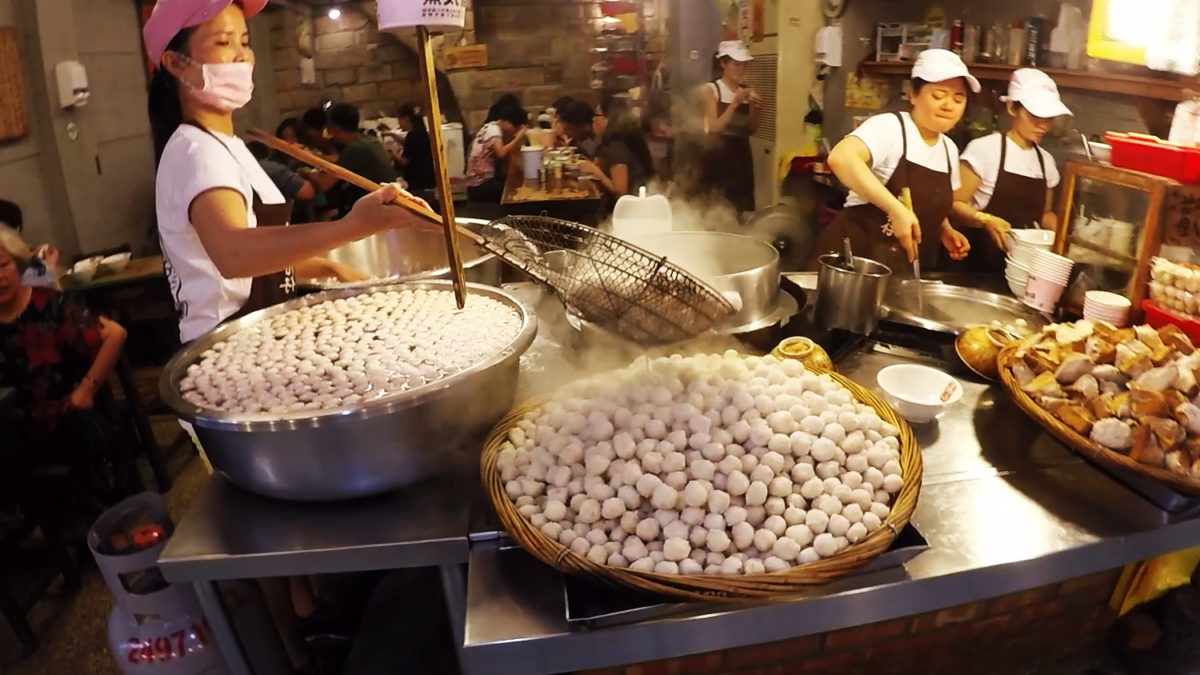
1021,245
1048,277
1105,306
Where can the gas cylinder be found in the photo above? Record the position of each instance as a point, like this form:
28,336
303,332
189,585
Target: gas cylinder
155,627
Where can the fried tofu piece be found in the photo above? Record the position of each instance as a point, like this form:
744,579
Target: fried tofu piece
1100,350
1144,403
1168,432
1161,355
1148,336
1175,338
1122,405
1101,406
1044,385
1176,462
1077,417
1145,447
1131,362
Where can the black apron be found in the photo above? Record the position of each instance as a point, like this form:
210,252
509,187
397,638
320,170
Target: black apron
728,164
932,197
270,289
1018,199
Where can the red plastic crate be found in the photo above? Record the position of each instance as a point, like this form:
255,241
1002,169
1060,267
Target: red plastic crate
1154,155
1157,317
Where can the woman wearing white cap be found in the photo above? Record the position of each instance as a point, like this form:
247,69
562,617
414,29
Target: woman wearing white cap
893,151
211,195
731,114
1007,179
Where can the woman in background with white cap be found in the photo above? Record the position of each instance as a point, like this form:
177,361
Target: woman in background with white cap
731,114
212,198
1007,179
893,151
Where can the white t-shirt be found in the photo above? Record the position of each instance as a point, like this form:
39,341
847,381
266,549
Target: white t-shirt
881,134
193,162
983,156
481,164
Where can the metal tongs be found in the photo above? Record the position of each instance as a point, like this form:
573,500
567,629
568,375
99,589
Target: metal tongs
906,200
847,260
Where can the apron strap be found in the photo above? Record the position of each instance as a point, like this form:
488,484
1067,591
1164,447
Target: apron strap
1003,151
1037,152
903,149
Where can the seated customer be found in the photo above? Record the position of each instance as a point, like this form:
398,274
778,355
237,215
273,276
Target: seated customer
43,263
489,150
293,185
357,152
623,163
53,351
577,124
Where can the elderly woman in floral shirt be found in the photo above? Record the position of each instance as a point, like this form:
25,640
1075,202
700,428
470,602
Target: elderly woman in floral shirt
53,351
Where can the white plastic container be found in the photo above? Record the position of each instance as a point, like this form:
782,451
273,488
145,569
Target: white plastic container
634,216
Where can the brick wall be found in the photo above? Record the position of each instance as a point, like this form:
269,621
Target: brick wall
538,49
990,636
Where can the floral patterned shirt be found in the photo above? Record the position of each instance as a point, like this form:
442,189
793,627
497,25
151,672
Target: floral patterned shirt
44,353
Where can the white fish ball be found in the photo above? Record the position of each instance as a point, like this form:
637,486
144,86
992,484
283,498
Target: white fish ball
776,525
676,549
800,443
734,450
762,473
812,488
857,463
629,521
863,497
599,490
773,460
802,473
793,515
852,512
718,501
756,494
666,567
647,483
891,468
647,529
743,535
697,536
775,564
852,480
731,566
554,510
713,452
843,493
735,515
674,461
892,483
856,532
830,469
695,494
877,456
780,486
781,422
849,421
801,534
809,555
775,506
825,545
740,431
823,449
874,478
589,511
717,541
613,507
552,530
754,566
812,425
652,462
749,462
838,525
690,566
714,521
882,497
729,464
596,536
786,549
760,434
816,520
617,560
764,540
880,510
692,516
703,469
580,546
566,536
872,521
834,432
676,529
642,565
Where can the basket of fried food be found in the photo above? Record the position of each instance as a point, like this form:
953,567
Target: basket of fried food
1126,398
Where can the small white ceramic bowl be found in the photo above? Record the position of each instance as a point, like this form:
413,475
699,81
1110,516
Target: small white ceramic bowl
918,393
85,270
115,263
1016,285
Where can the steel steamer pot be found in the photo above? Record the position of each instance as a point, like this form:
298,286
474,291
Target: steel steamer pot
362,449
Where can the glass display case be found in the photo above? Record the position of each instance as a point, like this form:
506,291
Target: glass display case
1110,223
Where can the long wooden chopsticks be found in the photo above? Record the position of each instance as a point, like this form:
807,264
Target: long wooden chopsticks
403,199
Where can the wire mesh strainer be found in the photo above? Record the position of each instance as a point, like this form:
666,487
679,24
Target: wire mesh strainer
609,282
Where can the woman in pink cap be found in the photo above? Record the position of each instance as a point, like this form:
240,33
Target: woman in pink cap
893,151
212,197
1008,180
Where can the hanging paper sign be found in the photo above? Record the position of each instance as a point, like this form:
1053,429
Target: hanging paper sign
470,56
429,13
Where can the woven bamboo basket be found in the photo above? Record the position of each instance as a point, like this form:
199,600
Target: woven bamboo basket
1077,442
705,587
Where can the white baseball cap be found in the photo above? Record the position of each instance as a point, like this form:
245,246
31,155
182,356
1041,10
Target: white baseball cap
734,49
1037,92
939,65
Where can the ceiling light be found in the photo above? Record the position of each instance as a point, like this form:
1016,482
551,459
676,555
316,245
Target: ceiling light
335,13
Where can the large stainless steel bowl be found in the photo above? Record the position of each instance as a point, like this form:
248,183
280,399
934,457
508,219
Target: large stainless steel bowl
357,450
411,255
743,269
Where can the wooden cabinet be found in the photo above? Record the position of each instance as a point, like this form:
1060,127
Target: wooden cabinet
1111,221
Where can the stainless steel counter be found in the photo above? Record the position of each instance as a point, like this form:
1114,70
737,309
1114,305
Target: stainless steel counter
1003,506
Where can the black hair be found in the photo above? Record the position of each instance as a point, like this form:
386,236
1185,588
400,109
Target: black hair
10,215
718,65
315,119
508,108
577,113
289,123
625,127
409,111
259,150
561,103
162,98
344,116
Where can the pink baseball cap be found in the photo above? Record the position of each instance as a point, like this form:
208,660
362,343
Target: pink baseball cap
171,16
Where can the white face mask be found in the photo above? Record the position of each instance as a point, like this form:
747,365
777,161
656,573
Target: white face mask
226,86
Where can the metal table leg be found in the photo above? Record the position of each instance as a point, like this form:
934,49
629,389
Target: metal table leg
218,620
454,585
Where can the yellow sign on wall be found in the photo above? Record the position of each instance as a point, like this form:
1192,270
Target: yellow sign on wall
470,56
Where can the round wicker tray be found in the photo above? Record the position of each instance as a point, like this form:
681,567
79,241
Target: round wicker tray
702,587
1072,439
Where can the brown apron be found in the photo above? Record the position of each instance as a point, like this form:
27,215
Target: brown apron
932,196
728,163
270,289
1018,199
